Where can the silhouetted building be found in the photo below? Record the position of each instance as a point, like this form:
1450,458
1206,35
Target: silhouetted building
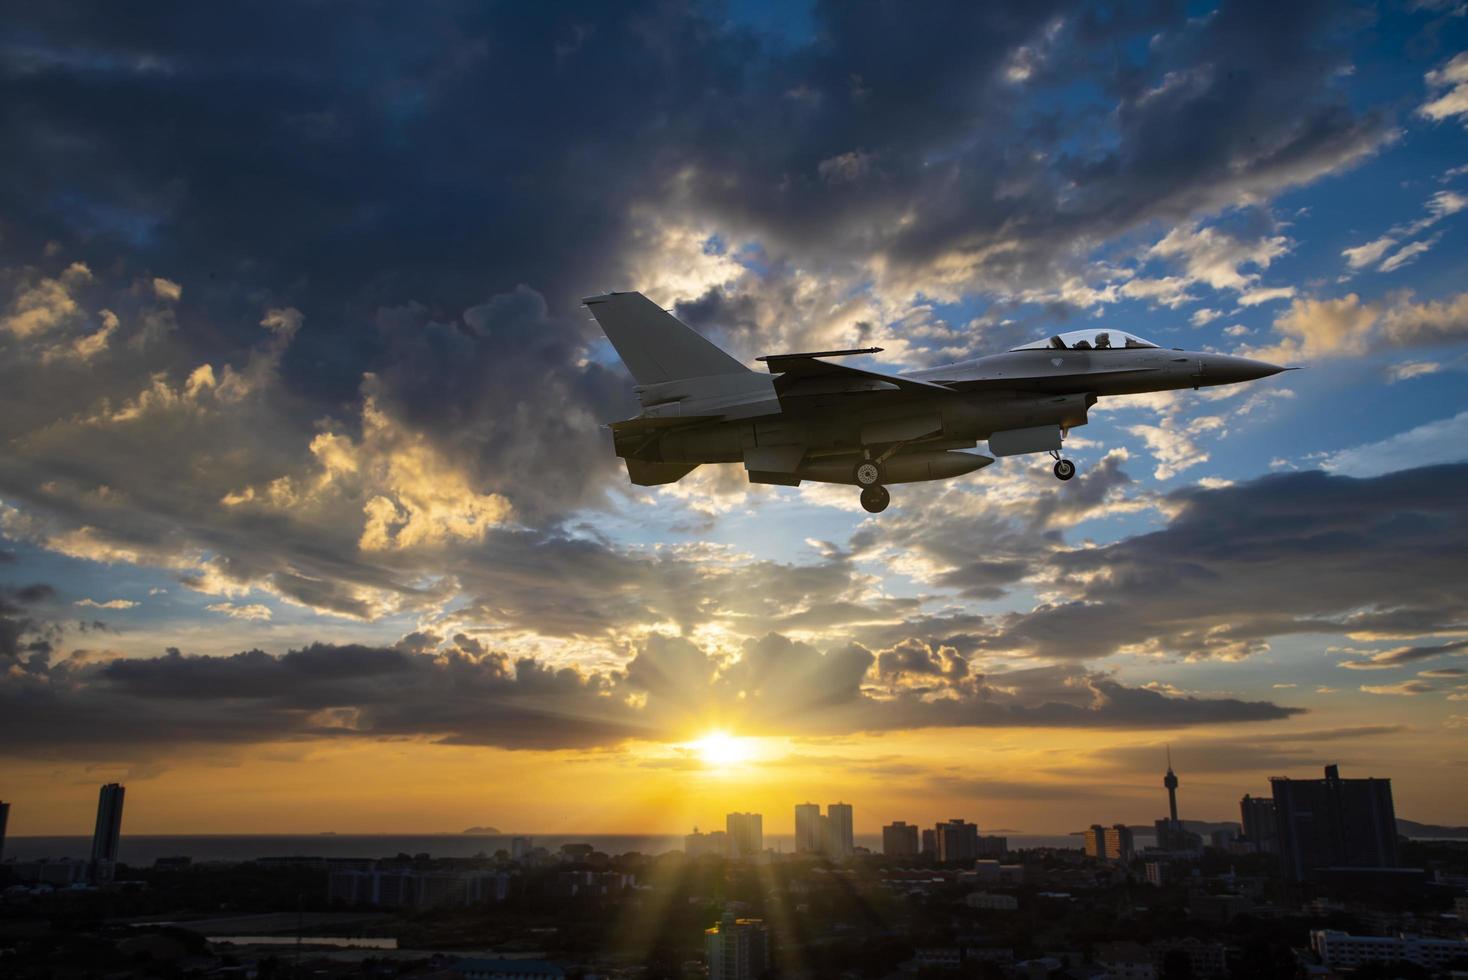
4,819
993,847
746,834
736,948
1334,823
520,848
930,843
108,832
414,888
957,840
1095,841
496,969
900,839
60,873
1343,951
808,836
841,841
715,843
1256,815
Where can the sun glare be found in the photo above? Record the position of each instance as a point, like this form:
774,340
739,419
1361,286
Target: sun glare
722,749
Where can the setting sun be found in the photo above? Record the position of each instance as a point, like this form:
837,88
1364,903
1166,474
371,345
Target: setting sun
722,749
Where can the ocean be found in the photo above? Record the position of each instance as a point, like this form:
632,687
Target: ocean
143,850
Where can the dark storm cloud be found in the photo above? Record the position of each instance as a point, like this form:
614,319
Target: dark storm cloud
461,694
1286,554
21,633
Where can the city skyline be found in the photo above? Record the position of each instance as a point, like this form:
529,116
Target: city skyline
305,485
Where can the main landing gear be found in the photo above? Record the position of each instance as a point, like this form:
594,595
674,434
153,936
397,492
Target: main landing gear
868,475
875,498
1064,468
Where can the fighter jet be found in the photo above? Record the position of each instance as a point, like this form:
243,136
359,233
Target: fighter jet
811,418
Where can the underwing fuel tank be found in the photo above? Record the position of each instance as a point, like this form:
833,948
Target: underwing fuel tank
903,468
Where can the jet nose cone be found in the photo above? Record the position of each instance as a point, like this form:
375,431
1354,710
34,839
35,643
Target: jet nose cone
1226,369
1253,370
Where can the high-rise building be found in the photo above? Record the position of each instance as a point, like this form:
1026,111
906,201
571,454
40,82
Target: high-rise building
737,948
1095,841
957,840
4,819
520,848
930,843
1118,844
746,835
900,839
1334,822
808,836
108,832
1257,817
842,842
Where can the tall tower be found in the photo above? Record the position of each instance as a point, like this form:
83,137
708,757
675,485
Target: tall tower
109,830
4,818
1170,781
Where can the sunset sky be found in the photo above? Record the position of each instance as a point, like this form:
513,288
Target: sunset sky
308,520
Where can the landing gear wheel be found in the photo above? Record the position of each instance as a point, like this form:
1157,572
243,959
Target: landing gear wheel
868,473
1064,469
875,499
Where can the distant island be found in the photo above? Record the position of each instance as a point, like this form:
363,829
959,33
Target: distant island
482,831
1411,828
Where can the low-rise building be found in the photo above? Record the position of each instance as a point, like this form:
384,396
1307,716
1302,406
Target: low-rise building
993,903
1205,959
1343,951
483,969
1125,961
416,888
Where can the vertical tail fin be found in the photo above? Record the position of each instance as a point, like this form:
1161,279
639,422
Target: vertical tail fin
655,345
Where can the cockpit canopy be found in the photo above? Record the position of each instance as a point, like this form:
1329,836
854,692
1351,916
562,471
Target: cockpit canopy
1093,339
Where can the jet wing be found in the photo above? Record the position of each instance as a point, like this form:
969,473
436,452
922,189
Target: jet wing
808,374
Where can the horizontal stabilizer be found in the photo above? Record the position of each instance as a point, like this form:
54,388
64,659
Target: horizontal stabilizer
647,474
774,361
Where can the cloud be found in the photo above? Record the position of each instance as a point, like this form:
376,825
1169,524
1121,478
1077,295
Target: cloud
1404,656
1348,326
1407,253
1223,577
254,611
1450,87
1440,441
1363,255
109,604
1407,370
463,694
1404,688
43,304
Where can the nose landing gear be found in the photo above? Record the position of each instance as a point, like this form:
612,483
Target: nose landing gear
1064,468
874,499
